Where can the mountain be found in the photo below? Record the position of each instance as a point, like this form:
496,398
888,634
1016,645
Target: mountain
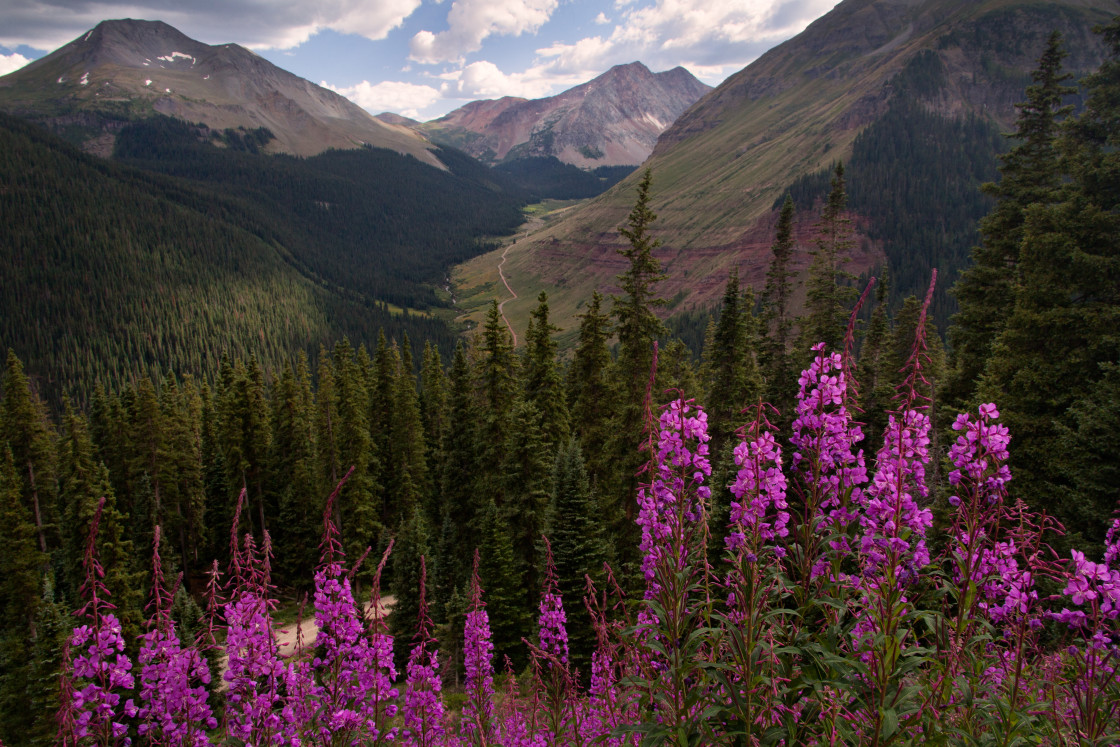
911,94
111,272
128,69
613,120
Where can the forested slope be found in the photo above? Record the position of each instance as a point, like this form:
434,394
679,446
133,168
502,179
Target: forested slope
110,273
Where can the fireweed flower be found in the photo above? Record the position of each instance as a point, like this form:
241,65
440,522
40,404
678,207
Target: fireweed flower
825,437
423,708
676,495
97,674
478,653
759,512
173,708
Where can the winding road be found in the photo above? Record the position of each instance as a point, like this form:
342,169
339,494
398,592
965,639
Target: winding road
505,282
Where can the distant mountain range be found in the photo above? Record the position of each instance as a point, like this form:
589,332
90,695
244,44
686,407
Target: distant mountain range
613,120
127,69
911,94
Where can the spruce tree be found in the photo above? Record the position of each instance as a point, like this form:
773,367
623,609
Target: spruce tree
182,518
21,568
358,515
1059,337
434,416
876,378
589,385
638,327
497,380
827,299
578,548
1029,173
292,474
458,503
730,370
412,544
409,466
25,428
526,479
501,586
543,383
774,353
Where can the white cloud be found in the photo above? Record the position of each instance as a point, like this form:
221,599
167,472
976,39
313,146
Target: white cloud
258,24
484,80
712,38
9,63
602,19
408,99
471,21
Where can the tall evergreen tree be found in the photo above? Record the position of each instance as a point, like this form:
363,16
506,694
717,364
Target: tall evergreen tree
497,380
578,548
182,414
1059,337
407,472
434,416
25,428
589,385
459,504
358,515
412,543
21,568
1029,173
827,298
638,327
876,377
526,478
292,473
730,371
501,586
774,353
544,386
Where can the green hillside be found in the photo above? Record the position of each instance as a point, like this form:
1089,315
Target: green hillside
724,164
112,272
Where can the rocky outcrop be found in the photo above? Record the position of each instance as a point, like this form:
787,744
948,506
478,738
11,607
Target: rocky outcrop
613,120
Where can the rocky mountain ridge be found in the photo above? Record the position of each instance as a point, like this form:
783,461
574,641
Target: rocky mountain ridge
612,120
128,68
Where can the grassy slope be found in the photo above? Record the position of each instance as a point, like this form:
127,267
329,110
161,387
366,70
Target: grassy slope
719,170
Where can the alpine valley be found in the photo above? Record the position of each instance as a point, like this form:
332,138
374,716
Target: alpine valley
911,95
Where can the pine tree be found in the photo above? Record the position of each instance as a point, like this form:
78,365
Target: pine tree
183,518
1060,336
458,504
21,566
543,383
357,513
24,426
876,378
589,385
408,466
638,328
578,547
497,377
1029,173
827,298
411,545
774,354
730,370
292,474
526,478
501,584
434,416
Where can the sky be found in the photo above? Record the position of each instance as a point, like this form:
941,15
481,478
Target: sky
424,58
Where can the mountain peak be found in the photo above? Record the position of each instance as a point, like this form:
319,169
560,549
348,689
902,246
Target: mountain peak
611,120
150,66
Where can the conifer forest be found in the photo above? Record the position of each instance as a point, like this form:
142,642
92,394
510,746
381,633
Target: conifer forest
832,526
